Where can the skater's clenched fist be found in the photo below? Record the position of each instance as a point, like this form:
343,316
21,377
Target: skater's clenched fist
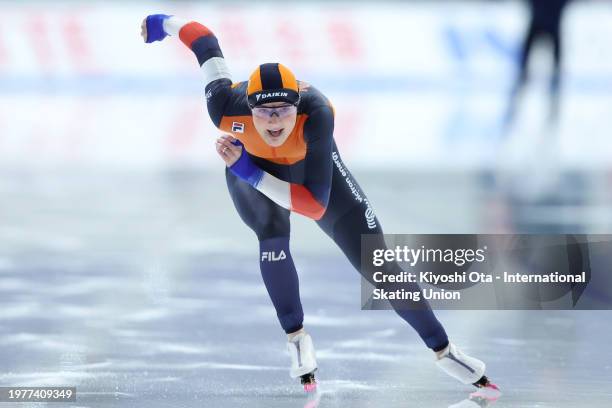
152,28
229,149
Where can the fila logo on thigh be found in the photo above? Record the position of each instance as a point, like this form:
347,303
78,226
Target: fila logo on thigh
272,256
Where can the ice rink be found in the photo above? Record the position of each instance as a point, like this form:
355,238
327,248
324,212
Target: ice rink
126,272
144,291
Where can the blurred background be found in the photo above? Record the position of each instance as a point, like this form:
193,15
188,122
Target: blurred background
424,88
119,245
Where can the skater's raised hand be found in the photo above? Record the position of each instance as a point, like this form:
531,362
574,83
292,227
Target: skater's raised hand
229,149
152,28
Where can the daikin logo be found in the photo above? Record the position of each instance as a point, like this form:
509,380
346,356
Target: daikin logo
270,95
272,256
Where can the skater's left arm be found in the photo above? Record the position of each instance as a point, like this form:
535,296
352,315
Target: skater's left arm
312,196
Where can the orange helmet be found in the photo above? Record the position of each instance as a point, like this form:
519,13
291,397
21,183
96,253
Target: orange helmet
272,82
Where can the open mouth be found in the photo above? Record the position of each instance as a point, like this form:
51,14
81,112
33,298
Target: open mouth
275,133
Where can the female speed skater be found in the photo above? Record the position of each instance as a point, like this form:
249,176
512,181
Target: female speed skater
281,157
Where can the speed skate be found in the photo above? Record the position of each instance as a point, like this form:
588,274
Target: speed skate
468,370
303,360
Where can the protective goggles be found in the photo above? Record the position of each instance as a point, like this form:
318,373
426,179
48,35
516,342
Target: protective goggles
281,111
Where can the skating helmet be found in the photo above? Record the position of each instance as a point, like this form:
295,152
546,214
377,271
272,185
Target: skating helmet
272,82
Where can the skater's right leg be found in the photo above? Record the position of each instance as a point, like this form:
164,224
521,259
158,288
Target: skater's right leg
270,222
281,280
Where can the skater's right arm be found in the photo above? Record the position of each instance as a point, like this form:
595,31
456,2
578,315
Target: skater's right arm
204,44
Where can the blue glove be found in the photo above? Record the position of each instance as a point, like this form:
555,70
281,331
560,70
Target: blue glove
244,167
155,27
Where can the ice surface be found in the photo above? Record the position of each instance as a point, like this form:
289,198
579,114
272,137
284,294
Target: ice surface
144,291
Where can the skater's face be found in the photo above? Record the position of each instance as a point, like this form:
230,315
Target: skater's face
274,121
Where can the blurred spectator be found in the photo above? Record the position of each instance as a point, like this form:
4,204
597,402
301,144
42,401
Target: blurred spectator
545,23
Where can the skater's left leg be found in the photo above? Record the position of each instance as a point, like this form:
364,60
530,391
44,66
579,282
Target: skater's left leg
348,215
346,232
449,357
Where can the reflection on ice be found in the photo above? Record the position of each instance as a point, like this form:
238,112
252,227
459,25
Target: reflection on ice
484,397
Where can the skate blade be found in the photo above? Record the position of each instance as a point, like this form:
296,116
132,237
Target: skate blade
490,392
310,387
309,382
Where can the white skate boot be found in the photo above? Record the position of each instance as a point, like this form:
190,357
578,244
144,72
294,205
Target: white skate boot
303,360
466,369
